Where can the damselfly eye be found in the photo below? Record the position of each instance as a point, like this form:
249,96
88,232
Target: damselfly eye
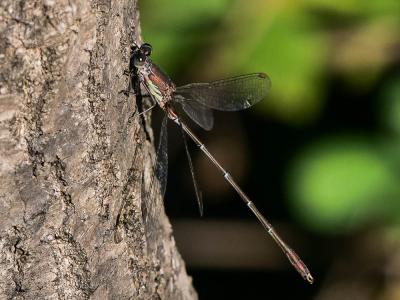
146,49
139,59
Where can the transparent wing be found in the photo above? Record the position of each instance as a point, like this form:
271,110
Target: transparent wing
231,94
195,185
151,204
161,167
200,114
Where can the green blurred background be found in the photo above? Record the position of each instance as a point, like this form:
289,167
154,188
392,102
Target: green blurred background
320,156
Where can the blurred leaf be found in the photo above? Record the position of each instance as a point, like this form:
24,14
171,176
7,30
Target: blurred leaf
176,28
177,14
358,6
340,184
281,40
391,105
363,52
294,55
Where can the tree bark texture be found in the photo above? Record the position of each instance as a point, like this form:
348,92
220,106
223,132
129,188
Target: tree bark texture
76,162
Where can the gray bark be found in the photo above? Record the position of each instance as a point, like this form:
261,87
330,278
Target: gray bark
75,162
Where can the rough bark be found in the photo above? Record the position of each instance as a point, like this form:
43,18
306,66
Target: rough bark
76,161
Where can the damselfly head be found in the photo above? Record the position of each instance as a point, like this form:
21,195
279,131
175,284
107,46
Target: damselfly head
140,55
139,58
146,49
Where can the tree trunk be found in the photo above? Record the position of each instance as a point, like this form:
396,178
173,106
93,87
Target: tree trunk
76,162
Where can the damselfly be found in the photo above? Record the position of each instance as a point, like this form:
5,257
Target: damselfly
198,100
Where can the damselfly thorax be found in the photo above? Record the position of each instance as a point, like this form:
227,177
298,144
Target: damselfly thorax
156,82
